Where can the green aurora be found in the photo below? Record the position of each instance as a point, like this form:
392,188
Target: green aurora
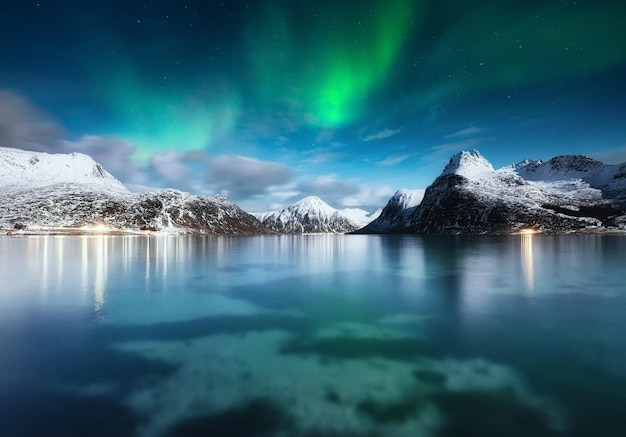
343,90
328,65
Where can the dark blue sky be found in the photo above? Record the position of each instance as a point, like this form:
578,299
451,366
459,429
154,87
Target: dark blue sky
269,101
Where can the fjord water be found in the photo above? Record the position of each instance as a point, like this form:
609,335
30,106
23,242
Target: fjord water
313,336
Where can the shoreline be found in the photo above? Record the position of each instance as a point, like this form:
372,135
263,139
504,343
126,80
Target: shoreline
70,231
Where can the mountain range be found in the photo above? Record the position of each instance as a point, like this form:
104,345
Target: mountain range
313,215
567,193
72,192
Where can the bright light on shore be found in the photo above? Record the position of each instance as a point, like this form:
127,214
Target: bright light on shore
527,231
98,227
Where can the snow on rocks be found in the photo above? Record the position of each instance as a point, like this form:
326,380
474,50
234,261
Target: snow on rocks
564,194
73,193
312,215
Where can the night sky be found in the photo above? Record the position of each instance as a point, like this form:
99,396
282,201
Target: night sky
270,101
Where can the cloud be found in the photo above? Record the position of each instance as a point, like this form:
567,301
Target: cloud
460,140
327,187
170,168
24,126
241,177
369,198
337,193
113,152
385,133
394,159
467,132
280,140
613,156
322,157
345,194
324,136
456,146
269,125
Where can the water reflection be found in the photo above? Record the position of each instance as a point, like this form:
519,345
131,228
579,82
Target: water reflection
148,257
45,269
462,273
394,332
528,266
100,277
84,267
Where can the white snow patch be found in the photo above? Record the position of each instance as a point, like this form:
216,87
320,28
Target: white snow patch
20,169
471,165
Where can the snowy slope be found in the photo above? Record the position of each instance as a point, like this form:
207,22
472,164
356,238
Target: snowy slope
471,165
507,185
397,211
567,193
40,190
359,216
21,169
611,179
471,197
312,215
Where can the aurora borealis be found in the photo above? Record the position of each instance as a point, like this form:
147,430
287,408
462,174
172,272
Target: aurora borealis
269,101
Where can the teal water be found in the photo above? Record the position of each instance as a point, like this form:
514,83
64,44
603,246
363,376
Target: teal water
313,336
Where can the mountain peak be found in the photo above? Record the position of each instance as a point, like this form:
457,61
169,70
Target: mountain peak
574,162
308,215
471,165
28,169
311,200
404,198
398,209
566,193
607,177
313,204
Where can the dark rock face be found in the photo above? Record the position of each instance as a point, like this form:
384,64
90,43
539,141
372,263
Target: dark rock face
75,206
166,209
395,214
449,208
574,162
310,224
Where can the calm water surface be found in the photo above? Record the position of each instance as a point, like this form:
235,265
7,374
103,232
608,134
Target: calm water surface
313,336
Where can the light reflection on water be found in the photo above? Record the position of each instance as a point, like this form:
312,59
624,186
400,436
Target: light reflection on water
101,272
527,261
325,335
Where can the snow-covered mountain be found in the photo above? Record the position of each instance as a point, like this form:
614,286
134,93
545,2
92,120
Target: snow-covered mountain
359,216
312,215
566,193
611,179
23,169
397,211
45,191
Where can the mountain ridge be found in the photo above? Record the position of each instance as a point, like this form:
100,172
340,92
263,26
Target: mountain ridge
311,215
567,193
397,210
21,168
74,193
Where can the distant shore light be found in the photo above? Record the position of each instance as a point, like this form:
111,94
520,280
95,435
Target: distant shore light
527,231
97,227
